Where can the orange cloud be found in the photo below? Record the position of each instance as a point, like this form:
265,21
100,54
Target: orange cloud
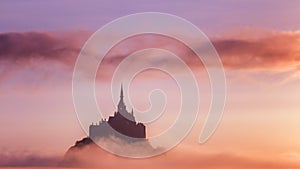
183,156
94,157
279,51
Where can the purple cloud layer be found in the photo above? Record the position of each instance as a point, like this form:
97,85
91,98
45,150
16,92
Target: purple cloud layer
278,50
43,52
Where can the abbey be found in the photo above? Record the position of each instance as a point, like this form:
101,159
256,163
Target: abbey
122,123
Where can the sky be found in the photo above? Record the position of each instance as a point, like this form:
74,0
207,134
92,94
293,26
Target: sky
257,41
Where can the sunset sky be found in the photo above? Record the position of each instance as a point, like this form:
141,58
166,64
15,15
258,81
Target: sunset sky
257,41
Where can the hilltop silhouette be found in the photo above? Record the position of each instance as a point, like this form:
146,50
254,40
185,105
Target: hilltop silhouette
119,131
122,124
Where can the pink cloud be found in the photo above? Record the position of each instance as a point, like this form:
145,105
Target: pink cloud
15,159
279,51
41,53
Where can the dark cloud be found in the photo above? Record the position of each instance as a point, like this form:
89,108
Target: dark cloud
41,46
28,45
33,58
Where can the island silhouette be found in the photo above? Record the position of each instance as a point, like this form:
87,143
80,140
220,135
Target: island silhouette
119,131
121,124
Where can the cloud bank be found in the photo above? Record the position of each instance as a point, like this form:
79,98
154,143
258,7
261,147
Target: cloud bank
180,157
17,159
41,46
50,54
278,50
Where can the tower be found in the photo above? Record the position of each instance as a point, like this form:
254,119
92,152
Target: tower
122,123
122,108
121,105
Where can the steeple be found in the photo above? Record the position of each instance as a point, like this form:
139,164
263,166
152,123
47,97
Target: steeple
121,94
121,105
122,108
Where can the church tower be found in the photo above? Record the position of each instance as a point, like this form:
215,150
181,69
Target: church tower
123,122
121,105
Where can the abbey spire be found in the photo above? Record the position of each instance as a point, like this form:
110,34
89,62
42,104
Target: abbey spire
122,122
121,94
121,105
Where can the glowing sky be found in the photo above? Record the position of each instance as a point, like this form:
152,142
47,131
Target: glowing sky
258,42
